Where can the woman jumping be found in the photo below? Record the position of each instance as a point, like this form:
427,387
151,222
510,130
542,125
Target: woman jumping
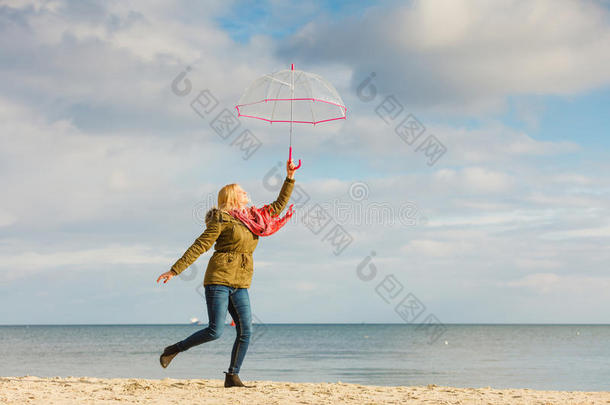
235,229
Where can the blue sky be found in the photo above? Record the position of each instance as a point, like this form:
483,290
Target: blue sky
278,20
106,169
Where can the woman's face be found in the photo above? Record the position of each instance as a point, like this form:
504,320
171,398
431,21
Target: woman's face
242,196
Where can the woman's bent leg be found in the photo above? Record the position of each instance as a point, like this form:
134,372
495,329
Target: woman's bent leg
217,300
239,308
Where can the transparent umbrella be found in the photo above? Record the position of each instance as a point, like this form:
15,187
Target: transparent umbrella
293,96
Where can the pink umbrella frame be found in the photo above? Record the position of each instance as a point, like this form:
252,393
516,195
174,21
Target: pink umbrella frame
239,114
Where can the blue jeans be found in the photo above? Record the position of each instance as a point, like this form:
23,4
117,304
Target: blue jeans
219,298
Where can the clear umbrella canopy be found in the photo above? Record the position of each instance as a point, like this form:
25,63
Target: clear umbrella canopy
292,96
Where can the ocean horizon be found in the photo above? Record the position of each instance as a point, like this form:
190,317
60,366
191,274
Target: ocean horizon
502,355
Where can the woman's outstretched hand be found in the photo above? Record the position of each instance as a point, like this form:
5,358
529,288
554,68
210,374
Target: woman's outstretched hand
167,276
290,169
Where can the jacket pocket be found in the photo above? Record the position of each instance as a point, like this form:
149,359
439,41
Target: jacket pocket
219,268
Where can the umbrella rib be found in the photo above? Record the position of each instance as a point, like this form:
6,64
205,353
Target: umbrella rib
278,80
276,96
313,118
248,89
267,89
310,92
332,92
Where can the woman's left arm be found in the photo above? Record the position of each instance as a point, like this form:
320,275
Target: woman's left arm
278,205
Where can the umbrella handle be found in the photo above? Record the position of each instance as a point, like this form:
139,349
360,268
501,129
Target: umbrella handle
290,158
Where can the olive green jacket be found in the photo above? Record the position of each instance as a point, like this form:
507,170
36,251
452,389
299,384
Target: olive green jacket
231,263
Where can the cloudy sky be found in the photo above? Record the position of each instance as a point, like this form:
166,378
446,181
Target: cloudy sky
471,175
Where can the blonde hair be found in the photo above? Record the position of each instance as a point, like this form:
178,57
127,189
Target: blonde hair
227,197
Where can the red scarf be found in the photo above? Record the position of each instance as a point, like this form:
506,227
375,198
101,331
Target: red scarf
260,221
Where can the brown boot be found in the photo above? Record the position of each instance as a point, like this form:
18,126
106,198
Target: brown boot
168,354
232,380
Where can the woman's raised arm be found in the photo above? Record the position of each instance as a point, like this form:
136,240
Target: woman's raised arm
279,204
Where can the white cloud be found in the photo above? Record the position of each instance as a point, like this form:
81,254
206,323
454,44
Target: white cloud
112,65
481,179
545,283
6,218
498,144
517,217
59,174
537,263
572,178
468,53
602,231
305,286
436,248
474,179
31,262
558,197
492,144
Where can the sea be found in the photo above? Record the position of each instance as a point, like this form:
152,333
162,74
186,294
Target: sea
545,357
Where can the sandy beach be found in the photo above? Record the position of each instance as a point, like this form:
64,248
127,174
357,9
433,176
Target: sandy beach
91,390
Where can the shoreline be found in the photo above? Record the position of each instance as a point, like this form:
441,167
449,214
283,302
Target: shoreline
77,390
